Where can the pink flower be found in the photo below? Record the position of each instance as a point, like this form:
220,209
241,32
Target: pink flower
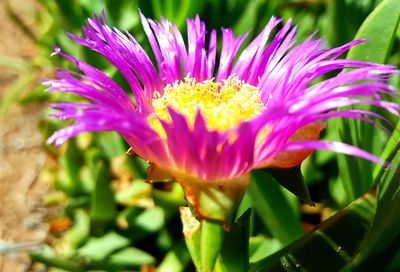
210,125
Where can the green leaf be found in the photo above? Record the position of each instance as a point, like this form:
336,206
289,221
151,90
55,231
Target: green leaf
111,144
235,250
77,234
242,210
386,225
69,180
126,18
138,191
380,29
246,19
103,204
93,6
128,215
52,261
176,259
192,234
388,153
262,247
139,224
338,22
72,14
123,260
171,198
292,180
99,248
12,92
130,257
395,262
145,223
212,239
330,247
267,195
151,220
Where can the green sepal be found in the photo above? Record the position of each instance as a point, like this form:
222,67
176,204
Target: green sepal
215,200
292,179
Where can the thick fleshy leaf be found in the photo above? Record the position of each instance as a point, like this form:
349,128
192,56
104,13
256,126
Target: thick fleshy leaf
388,153
235,251
266,194
176,259
330,247
261,247
62,263
111,143
129,257
214,248
338,23
103,202
192,235
149,221
379,29
99,248
292,179
385,228
212,239
78,233
69,181
204,240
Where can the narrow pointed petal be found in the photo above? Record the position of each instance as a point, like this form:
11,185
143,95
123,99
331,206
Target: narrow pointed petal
288,78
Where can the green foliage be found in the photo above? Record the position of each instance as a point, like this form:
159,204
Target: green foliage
382,239
380,29
235,250
266,196
330,247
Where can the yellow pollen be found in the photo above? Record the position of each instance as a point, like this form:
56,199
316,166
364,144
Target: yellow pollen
223,105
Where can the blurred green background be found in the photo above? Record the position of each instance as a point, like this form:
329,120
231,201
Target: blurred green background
111,219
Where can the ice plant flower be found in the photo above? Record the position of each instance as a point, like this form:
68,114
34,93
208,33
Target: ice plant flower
208,121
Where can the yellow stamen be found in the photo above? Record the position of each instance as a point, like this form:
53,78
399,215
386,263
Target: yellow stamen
223,105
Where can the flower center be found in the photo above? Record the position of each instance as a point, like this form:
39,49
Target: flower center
223,105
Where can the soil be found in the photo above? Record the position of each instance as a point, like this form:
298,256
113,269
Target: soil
21,153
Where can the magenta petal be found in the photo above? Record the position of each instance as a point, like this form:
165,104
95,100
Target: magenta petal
337,147
251,56
230,46
289,75
124,53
